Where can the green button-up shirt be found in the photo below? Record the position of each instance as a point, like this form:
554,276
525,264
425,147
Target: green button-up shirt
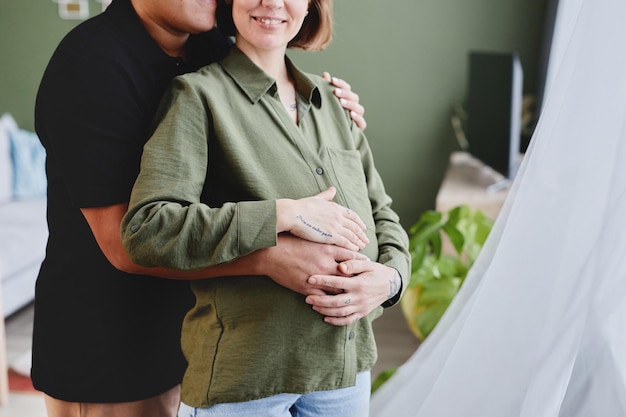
224,150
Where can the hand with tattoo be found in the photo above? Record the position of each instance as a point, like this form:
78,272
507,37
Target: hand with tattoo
320,220
366,285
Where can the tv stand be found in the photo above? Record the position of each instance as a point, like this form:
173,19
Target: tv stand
468,181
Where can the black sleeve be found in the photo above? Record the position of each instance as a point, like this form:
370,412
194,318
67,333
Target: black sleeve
93,123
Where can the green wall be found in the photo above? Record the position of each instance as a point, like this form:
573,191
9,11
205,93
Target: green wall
29,32
407,59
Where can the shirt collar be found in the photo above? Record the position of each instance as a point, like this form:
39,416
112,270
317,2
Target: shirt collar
255,82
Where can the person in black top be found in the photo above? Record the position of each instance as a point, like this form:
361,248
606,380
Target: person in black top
106,331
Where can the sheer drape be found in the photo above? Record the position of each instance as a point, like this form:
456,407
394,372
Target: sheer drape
539,327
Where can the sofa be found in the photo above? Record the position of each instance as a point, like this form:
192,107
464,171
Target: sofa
23,226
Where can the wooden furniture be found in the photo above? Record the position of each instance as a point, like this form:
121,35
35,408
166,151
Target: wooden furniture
469,181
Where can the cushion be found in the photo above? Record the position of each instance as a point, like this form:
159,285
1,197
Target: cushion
6,164
29,165
23,236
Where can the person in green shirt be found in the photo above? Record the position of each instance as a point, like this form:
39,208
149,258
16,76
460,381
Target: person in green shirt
219,182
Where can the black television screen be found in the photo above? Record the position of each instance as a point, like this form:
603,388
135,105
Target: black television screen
494,109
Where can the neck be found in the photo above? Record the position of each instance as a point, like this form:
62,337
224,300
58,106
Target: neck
272,62
170,40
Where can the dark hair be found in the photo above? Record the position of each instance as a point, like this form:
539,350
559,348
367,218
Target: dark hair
314,35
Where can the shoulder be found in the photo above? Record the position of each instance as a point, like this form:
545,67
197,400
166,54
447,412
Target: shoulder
207,77
115,38
92,37
88,57
109,52
196,90
210,78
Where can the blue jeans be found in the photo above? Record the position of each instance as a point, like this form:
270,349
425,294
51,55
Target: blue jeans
344,402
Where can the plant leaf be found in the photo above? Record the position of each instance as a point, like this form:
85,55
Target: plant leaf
427,218
450,266
456,237
439,291
436,244
427,321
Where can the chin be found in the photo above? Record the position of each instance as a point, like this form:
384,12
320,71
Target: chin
206,26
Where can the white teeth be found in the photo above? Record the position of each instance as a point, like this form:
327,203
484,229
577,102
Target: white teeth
270,21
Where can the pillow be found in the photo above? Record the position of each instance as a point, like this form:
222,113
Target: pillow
29,165
6,164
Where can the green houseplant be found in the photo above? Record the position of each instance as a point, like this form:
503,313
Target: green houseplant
443,246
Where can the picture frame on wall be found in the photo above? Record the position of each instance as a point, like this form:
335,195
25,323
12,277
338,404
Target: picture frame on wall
73,9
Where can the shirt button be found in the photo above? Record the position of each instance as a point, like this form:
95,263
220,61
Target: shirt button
319,171
134,228
351,336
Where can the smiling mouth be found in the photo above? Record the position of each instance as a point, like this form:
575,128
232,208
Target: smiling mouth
268,21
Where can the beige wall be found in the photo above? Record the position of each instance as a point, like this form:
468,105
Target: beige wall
406,58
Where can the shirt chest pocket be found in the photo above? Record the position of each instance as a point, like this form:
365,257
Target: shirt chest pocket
351,183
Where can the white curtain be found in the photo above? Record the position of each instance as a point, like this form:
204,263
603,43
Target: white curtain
539,327
566,16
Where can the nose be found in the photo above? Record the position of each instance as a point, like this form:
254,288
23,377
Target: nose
272,3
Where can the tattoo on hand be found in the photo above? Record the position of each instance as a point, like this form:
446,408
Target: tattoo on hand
394,286
315,229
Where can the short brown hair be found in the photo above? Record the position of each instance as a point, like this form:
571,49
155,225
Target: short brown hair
314,35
